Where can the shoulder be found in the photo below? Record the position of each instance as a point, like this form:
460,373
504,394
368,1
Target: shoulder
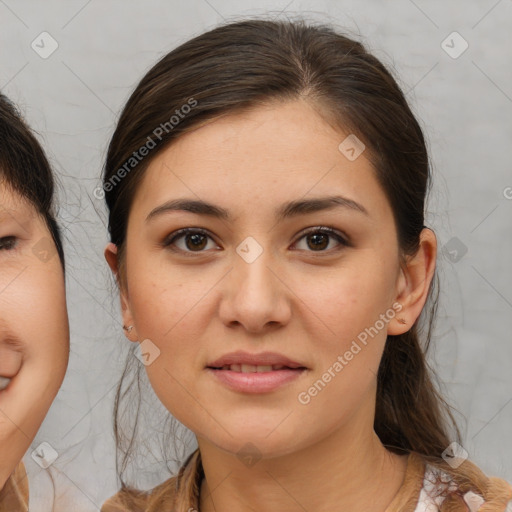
464,488
128,499
178,492
14,494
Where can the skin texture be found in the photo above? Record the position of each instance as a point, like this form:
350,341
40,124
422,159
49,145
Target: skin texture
306,303
34,331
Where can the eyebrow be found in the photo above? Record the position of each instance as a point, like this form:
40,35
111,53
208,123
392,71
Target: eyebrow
287,210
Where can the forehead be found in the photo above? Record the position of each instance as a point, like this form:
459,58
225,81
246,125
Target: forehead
256,158
13,204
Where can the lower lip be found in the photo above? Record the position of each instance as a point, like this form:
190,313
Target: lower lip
257,382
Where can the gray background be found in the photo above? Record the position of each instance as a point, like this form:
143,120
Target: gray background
465,104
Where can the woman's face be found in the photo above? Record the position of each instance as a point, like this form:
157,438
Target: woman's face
34,335
261,277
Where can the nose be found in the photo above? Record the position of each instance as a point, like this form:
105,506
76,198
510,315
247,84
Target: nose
256,296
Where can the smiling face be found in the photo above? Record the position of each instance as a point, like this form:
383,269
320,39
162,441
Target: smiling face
34,335
259,273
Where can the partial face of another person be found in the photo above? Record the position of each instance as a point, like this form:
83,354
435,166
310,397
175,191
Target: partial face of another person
34,332
256,273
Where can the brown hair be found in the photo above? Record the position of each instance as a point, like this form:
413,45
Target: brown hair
242,65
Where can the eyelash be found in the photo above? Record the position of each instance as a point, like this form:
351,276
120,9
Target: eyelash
173,237
8,243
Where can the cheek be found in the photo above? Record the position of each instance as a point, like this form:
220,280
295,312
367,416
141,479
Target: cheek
161,302
171,314
166,299
33,311
39,315
345,303
174,312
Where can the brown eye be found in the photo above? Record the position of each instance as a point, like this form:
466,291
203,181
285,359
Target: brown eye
7,243
193,240
318,239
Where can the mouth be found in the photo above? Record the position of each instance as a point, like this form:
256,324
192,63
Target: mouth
247,372
241,361
4,382
251,368
255,379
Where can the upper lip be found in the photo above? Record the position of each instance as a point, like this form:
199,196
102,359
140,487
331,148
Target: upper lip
260,359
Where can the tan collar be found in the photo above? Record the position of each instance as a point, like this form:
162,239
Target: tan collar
14,494
407,497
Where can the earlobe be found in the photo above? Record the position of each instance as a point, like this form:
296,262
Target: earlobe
128,327
130,334
414,283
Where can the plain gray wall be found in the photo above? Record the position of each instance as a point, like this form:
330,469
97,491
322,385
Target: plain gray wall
73,96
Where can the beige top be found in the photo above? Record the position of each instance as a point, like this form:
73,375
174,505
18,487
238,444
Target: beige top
14,495
418,493
180,493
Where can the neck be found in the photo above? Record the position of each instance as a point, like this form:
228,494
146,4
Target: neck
334,474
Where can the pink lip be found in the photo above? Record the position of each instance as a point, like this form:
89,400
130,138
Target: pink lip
257,382
261,359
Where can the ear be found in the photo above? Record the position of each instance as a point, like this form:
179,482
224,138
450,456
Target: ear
112,260
413,283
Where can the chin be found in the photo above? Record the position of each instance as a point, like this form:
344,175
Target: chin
253,441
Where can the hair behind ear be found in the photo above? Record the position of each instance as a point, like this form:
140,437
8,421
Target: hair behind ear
410,412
